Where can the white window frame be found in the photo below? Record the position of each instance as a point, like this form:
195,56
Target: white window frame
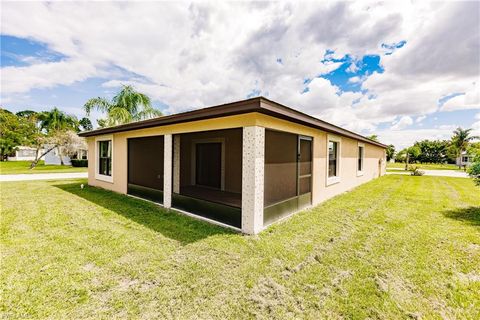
194,159
360,172
335,179
99,176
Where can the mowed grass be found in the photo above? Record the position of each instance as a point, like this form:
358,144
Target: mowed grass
21,167
395,248
425,166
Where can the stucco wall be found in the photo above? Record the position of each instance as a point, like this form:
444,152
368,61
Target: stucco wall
119,168
348,160
321,192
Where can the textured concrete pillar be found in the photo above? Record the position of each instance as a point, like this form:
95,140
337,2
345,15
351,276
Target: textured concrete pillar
176,163
253,179
167,171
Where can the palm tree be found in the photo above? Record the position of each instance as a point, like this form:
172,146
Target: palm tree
127,106
54,122
461,139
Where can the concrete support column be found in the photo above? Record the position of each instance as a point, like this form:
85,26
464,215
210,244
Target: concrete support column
253,166
176,163
167,171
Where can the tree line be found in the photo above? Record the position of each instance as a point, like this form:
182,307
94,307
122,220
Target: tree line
440,151
45,130
56,129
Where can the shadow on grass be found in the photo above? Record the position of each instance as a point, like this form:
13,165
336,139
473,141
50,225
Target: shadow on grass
170,224
470,215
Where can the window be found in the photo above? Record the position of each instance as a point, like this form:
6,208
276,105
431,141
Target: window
105,158
332,159
465,159
361,153
333,165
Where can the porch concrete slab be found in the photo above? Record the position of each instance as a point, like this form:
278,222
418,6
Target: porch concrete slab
43,176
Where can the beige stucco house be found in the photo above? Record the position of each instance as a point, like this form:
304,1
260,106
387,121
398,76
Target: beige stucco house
244,165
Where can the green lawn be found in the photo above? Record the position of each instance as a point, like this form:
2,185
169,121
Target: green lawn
396,248
425,166
17,167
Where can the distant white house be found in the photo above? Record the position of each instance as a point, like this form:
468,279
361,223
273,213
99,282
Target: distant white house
53,158
464,159
24,154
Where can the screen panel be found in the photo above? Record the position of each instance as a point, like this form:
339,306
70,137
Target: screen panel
145,161
280,166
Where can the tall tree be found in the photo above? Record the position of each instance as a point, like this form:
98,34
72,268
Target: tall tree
127,106
432,151
14,132
55,123
461,139
85,124
56,120
36,136
27,114
373,137
390,152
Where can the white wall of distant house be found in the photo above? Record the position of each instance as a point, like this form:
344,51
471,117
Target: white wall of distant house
52,158
25,154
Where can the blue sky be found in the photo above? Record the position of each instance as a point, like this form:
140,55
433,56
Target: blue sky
385,76
19,52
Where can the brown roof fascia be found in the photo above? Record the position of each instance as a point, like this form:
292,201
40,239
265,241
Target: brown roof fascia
257,104
223,110
281,111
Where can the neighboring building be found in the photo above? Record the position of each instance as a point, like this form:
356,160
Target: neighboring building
24,154
53,158
464,159
245,164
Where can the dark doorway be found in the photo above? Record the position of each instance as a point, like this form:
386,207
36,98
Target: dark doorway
208,164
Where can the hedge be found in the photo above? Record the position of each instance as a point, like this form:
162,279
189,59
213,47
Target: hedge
79,163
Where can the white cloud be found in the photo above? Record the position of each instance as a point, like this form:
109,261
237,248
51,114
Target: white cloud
469,100
405,138
355,79
476,126
190,55
45,75
420,119
402,123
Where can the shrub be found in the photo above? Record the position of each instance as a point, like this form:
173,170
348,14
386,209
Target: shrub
79,163
474,172
415,171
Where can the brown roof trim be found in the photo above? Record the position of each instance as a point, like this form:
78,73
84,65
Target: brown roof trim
258,104
281,111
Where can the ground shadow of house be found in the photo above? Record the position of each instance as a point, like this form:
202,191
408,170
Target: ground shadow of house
169,223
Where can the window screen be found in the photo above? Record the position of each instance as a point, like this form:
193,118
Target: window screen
145,161
105,157
332,159
280,166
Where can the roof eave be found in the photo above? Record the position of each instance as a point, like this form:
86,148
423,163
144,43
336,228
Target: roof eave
257,104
